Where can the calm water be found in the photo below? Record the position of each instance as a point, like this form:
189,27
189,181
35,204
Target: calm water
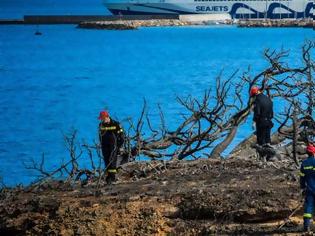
62,79
18,8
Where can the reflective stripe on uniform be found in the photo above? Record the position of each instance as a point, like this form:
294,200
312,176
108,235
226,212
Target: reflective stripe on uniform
308,167
119,131
307,215
112,171
108,128
301,174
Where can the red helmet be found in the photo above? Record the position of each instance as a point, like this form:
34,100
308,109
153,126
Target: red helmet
103,115
310,149
254,91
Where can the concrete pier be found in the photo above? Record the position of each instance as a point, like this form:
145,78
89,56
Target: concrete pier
11,21
77,19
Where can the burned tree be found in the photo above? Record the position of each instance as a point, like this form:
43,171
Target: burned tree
213,121
210,123
294,88
70,170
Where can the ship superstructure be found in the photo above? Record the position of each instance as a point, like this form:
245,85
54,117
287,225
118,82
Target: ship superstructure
271,9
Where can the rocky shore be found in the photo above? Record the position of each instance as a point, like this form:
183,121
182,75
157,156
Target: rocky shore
202,197
135,24
308,23
131,24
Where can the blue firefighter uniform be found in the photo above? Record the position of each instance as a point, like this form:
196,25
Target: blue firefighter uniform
307,183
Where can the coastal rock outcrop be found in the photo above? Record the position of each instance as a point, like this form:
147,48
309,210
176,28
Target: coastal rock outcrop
130,24
305,23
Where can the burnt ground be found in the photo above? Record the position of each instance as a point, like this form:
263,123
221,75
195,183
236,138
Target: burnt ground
203,197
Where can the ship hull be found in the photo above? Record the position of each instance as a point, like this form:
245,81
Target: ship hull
238,10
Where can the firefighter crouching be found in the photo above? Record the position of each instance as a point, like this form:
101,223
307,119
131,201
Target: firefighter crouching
307,183
111,137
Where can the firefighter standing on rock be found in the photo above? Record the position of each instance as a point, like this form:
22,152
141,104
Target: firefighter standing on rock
111,137
262,122
263,113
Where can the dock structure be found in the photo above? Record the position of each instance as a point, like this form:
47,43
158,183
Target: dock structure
77,19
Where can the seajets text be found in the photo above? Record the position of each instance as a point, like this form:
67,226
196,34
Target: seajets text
212,8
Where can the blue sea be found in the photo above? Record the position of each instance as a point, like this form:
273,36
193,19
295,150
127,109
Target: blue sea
59,81
16,9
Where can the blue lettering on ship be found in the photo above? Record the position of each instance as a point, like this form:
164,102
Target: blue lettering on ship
212,8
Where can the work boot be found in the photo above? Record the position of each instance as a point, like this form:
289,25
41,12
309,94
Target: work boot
269,151
111,178
307,227
307,233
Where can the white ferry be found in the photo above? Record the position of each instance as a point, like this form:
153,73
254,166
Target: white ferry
273,9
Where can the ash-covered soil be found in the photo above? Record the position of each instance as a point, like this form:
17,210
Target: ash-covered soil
203,197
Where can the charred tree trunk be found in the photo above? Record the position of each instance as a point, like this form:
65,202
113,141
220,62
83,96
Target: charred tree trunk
216,152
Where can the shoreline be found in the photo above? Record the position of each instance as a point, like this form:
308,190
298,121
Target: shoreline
134,22
305,23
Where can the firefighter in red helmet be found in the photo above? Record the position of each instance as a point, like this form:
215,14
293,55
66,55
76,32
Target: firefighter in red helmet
307,184
263,114
111,137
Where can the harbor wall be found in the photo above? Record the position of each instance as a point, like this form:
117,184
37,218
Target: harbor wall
64,19
205,17
76,19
